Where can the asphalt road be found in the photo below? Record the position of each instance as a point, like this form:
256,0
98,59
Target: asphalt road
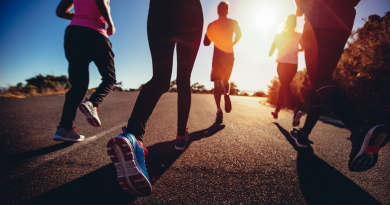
248,159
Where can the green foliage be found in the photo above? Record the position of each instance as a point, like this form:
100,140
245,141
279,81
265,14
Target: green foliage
49,81
233,89
300,86
198,88
259,94
118,87
364,69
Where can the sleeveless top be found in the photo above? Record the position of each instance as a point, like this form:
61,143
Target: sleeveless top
287,46
88,15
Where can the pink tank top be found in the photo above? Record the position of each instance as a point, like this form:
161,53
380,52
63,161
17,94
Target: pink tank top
87,14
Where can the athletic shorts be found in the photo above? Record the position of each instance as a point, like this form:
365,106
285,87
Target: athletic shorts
222,66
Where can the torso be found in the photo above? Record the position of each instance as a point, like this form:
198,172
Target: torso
88,15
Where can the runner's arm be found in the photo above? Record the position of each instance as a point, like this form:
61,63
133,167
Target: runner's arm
300,46
273,47
206,40
103,6
63,9
237,31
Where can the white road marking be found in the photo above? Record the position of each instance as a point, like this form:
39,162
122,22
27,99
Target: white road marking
38,161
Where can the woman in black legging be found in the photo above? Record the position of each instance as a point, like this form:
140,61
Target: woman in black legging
170,23
287,42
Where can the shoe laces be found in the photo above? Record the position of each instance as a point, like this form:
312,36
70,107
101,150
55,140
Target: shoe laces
145,150
97,109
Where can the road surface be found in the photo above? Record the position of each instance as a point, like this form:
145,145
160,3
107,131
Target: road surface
248,159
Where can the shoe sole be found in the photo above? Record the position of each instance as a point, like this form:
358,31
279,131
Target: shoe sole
376,138
59,138
297,143
297,119
92,120
129,175
180,148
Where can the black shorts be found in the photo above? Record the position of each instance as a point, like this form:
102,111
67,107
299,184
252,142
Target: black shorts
222,65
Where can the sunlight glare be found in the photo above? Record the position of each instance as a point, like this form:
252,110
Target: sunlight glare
265,18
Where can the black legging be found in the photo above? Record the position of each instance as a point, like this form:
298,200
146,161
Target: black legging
83,45
170,23
323,48
286,72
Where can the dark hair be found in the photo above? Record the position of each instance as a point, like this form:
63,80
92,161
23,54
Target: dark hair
223,8
290,22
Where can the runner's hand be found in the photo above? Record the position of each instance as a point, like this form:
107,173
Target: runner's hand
110,30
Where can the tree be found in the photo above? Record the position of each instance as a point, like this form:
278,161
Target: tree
233,89
49,81
300,86
259,94
118,87
194,87
364,69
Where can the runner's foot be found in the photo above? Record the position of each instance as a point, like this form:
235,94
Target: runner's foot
366,144
91,112
181,141
275,114
128,156
300,141
219,116
297,117
68,134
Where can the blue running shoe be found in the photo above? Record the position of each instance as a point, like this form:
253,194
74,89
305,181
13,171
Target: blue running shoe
181,141
128,157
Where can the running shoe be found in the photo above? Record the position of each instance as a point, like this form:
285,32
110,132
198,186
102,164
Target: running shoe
300,141
219,116
128,156
181,141
68,134
228,104
366,144
275,115
297,117
91,112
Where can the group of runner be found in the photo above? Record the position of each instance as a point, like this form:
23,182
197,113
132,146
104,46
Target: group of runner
179,23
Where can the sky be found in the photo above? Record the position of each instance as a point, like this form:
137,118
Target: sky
31,41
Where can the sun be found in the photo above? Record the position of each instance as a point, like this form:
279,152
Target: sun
265,18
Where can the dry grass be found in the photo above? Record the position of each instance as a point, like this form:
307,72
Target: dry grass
20,93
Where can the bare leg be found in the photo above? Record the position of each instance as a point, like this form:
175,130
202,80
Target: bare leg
217,93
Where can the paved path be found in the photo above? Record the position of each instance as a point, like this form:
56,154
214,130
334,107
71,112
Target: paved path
248,159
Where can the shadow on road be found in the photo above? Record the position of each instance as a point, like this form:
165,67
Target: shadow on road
22,156
321,183
162,155
101,186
